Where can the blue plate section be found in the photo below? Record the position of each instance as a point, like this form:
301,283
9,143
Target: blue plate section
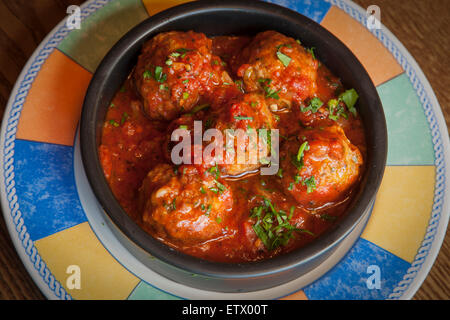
313,9
45,187
358,273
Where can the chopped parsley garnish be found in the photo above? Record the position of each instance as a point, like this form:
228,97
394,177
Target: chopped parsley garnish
314,105
169,62
298,164
185,81
336,110
163,87
202,190
283,45
158,74
311,50
297,159
310,184
147,75
182,51
243,118
214,171
220,186
271,93
240,85
113,122
285,60
214,189
265,80
300,151
185,95
272,226
349,97
183,126
124,118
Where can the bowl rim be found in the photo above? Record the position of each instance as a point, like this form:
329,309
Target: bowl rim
166,254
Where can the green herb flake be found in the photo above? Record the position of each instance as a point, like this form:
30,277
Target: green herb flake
301,150
336,110
182,51
159,74
349,97
285,60
113,123
310,184
271,93
272,226
221,187
147,75
265,80
185,95
214,171
243,118
124,118
311,51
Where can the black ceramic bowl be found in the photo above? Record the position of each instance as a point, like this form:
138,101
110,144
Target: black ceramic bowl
231,18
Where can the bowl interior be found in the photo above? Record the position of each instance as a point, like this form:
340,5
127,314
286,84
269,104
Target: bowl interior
233,18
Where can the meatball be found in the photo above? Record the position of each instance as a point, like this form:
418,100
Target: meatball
238,146
279,66
175,72
187,207
319,166
243,117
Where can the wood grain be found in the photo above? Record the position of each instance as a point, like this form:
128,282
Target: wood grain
421,26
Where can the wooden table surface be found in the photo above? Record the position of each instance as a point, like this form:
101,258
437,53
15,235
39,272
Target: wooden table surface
422,26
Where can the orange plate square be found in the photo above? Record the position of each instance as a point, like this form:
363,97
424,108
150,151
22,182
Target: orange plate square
377,60
53,106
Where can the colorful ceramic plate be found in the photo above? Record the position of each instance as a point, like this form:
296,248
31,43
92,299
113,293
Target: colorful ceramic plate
60,233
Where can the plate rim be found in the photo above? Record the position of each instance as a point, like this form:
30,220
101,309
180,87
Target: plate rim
43,277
